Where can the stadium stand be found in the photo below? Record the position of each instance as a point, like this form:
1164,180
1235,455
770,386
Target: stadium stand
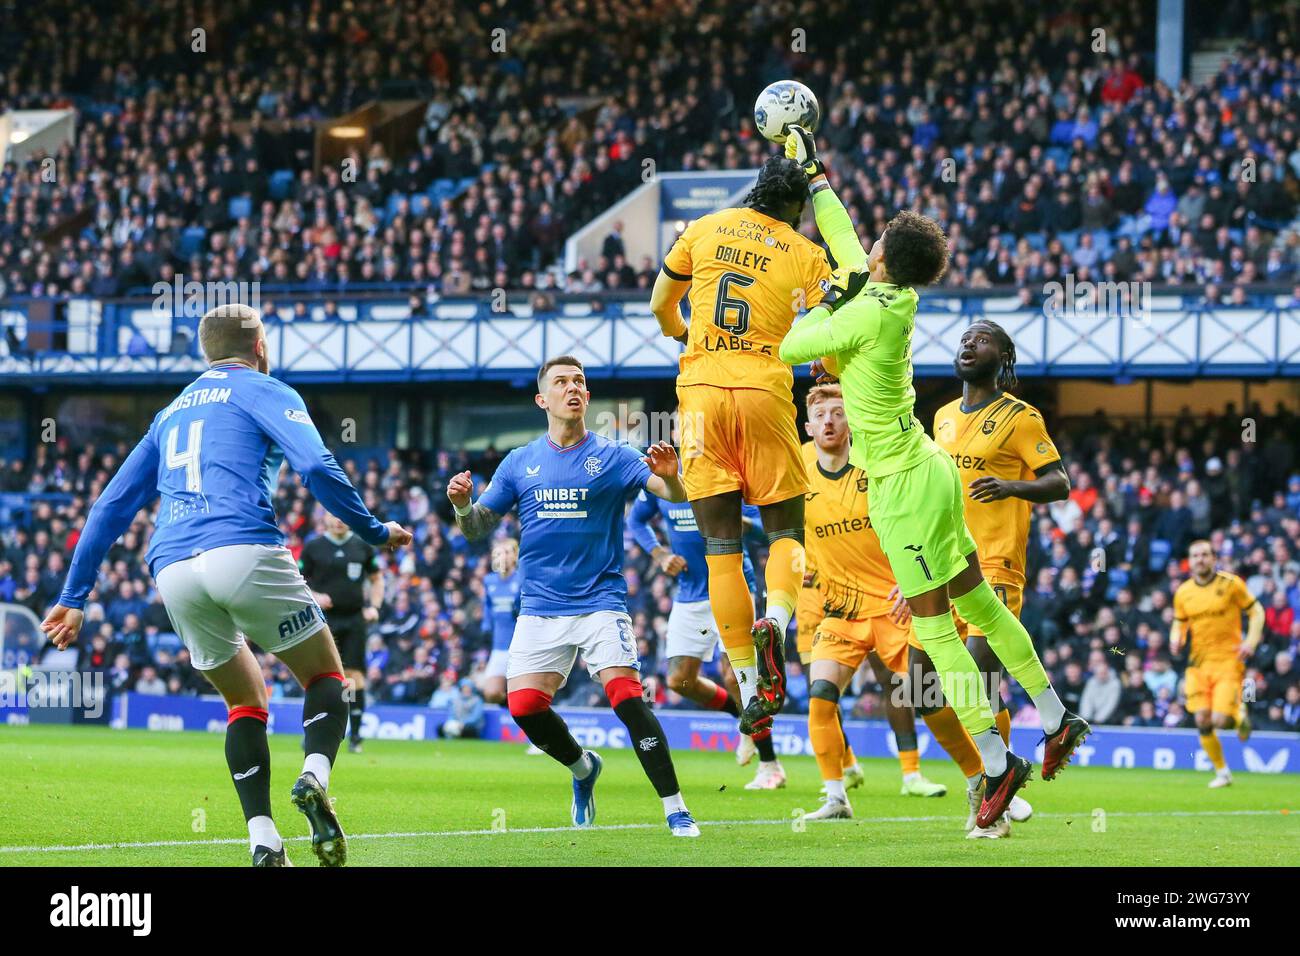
1038,160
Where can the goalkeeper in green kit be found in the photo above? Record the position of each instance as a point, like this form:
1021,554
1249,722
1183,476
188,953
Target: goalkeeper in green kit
862,333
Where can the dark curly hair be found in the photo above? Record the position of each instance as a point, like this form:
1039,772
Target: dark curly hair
916,250
780,181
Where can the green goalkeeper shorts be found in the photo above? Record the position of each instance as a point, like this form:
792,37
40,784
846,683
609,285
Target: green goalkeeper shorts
919,516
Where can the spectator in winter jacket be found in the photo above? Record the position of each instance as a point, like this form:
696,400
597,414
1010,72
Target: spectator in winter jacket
1101,693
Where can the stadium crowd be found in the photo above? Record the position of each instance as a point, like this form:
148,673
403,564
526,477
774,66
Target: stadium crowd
1042,143
1102,569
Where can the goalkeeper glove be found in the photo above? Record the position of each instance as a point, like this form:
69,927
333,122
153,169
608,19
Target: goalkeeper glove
845,284
800,147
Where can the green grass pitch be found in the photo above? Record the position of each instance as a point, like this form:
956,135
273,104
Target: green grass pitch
91,796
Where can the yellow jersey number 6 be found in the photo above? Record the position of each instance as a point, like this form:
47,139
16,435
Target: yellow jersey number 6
732,304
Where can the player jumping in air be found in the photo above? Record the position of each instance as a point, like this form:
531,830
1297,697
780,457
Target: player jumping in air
860,618
570,487
501,587
863,329
219,560
1207,608
692,633
1006,461
749,272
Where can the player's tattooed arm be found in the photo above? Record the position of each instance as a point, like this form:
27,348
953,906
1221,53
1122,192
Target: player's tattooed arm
478,523
474,520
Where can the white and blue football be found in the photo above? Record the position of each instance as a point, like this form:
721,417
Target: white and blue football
782,104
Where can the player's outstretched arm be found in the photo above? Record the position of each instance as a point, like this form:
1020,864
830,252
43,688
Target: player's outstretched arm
824,334
475,520
833,220
665,480
133,487
283,415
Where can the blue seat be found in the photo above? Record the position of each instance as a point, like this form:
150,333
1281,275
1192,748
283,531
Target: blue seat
280,184
240,207
191,238
1160,552
165,641
1116,579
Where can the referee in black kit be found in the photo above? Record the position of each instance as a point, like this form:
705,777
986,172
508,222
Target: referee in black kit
337,565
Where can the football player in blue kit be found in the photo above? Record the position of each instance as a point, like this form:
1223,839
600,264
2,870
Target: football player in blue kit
692,634
570,488
501,587
213,456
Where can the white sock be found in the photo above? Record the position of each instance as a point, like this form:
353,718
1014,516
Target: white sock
1050,710
747,682
674,804
909,777
973,781
835,790
781,615
994,752
582,767
769,765
319,766
262,832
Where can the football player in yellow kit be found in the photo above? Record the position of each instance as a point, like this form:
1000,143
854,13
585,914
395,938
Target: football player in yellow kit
1207,609
1007,463
748,272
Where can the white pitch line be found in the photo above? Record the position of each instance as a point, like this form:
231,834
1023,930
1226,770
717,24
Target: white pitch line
427,834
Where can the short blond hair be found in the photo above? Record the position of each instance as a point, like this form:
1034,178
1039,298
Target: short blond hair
229,331
823,393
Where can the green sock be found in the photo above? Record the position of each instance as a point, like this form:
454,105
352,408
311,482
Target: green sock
1007,637
961,680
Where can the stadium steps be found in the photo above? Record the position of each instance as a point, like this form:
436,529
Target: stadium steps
1207,60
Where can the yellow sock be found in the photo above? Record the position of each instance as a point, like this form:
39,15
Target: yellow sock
733,607
1003,720
827,741
911,761
1213,749
850,758
784,577
955,740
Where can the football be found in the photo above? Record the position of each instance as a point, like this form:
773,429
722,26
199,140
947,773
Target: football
784,103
